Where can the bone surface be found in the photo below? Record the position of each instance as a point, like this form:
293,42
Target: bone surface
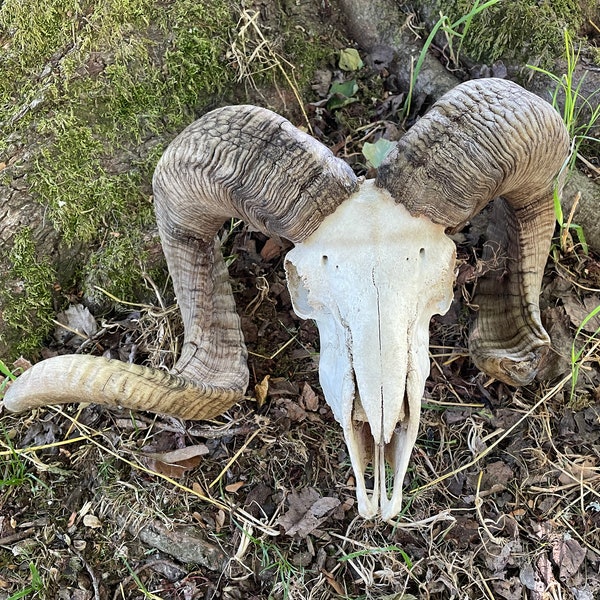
371,277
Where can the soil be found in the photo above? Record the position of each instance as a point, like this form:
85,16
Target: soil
502,497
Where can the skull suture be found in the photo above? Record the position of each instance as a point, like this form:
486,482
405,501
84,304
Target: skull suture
371,277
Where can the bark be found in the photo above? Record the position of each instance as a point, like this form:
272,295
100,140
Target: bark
19,210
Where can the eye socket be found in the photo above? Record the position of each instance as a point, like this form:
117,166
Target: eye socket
422,253
324,259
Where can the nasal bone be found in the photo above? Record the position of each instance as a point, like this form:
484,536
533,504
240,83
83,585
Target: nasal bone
380,369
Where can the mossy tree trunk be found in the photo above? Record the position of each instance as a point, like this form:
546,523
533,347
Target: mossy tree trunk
91,95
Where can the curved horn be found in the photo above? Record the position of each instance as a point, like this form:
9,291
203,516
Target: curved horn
482,140
238,161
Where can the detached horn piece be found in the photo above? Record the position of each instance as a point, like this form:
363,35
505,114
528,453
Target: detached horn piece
371,265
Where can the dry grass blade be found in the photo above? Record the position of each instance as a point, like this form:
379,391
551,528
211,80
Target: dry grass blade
253,55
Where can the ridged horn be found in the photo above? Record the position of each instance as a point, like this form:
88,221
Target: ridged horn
489,139
237,161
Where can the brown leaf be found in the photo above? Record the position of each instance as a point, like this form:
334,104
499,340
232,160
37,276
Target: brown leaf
22,363
176,462
272,249
496,473
567,555
219,520
307,510
198,489
308,398
580,469
234,487
578,311
294,411
261,391
333,582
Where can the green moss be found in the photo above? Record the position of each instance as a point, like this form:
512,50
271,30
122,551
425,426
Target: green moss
82,197
308,52
116,267
95,91
27,307
516,31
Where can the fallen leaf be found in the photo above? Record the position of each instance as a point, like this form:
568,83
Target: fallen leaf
92,521
198,489
22,363
333,582
307,510
579,469
176,462
219,520
496,473
234,487
579,312
294,411
309,398
342,94
261,391
510,589
272,249
350,60
75,324
375,153
568,555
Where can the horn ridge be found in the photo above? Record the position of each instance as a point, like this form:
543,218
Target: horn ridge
485,139
237,161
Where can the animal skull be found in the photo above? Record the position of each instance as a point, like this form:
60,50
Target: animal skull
371,277
371,264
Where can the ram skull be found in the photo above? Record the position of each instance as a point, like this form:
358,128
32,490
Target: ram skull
371,264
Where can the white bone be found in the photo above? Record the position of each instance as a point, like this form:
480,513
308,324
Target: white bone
371,276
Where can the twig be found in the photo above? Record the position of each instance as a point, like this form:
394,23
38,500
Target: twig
16,537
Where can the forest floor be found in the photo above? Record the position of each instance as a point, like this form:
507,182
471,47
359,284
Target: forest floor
502,496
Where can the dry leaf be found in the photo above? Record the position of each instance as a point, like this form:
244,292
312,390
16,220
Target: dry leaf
272,249
496,473
198,489
234,487
307,510
578,311
22,363
294,411
568,555
308,398
92,521
219,520
76,324
261,391
578,470
333,582
176,462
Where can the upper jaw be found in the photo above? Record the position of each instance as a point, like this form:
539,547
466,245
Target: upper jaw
382,458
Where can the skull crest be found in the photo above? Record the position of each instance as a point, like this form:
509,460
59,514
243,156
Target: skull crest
371,277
